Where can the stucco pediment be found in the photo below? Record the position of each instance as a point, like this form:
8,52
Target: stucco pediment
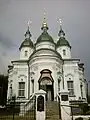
22,76
69,74
40,92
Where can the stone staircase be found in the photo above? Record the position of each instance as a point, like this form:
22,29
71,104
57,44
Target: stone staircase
52,110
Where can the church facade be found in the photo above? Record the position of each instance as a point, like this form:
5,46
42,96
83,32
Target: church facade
46,65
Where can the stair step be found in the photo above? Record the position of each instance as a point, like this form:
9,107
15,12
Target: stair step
52,111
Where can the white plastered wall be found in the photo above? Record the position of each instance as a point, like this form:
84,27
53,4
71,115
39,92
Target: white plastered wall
68,52
19,74
45,44
22,52
45,63
71,71
82,81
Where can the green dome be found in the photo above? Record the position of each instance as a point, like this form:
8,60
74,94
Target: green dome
45,37
27,43
62,42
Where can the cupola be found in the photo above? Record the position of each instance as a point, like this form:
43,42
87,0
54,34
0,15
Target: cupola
45,40
63,46
27,46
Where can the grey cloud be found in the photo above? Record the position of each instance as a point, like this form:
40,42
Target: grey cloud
6,42
74,14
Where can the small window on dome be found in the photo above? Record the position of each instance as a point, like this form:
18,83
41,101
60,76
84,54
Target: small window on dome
64,52
26,53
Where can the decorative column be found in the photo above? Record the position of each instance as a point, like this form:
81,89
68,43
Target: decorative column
40,105
64,104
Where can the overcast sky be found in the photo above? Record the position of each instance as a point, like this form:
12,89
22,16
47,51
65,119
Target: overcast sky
14,14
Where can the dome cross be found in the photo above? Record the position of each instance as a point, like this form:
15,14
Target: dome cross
61,32
28,34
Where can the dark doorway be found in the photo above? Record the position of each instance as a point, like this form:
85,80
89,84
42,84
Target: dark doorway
46,84
49,92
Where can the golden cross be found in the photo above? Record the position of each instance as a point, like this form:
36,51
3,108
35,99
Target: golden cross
29,22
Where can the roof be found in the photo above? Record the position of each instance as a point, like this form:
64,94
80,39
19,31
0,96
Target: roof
45,52
62,42
27,43
45,37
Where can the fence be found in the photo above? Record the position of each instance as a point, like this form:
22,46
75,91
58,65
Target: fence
12,110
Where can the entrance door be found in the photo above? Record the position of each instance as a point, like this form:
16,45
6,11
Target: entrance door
49,92
49,95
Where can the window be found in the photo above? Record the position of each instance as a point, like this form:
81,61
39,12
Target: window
81,86
64,52
58,85
70,88
26,53
21,89
32,86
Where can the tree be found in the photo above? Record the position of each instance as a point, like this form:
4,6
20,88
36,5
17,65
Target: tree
3,89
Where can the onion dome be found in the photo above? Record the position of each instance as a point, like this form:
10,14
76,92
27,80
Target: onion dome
62,40
44,36
27,42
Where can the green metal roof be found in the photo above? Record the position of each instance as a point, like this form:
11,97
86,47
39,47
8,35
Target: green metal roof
27,43
45,37
62,42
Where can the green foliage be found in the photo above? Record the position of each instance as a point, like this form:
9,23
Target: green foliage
88,112
84,107
80,118
3,89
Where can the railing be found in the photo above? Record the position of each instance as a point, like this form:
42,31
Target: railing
16,111
28,107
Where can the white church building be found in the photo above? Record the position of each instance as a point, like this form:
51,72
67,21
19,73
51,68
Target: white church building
46,65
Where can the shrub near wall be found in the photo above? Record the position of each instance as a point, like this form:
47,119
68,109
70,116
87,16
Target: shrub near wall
80,118
85,108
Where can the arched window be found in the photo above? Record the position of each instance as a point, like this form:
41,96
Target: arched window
21,91
58,85
64,52
26,53
81,86
70,87
32,86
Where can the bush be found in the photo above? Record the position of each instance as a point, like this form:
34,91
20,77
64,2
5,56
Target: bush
88,113
84,107
80,118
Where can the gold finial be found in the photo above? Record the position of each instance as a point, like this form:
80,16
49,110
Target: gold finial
44,24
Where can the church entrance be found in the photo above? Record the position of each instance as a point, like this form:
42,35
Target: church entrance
49,93
46,84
